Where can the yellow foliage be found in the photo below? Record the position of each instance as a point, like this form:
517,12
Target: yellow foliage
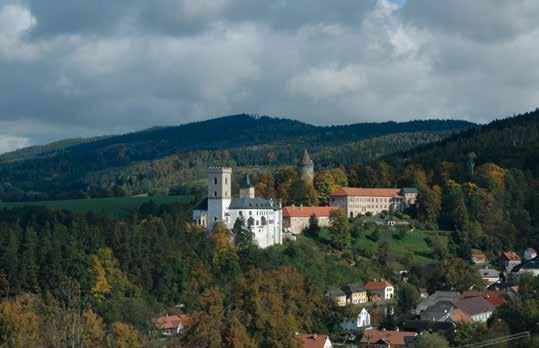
19,324
102,286
94,330
125,336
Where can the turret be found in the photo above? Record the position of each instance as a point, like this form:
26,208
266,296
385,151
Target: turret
307,168
247,190
219,193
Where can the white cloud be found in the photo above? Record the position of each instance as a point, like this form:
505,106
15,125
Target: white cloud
11,143
15,22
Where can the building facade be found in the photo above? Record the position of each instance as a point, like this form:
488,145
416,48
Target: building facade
296,219
262,216
360,201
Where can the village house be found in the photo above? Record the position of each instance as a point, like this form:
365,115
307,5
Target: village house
338,296
510,259
316,341
529,266
386,338
423,293
356,294
296,219
382,288
355,201
478,257
489,275
530,253
172,325
436,297
477,308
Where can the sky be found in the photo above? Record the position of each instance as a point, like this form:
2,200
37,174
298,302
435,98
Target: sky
71,68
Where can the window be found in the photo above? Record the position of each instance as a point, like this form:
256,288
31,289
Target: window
241,213
215,193
215,218
215,181
263,221
226,180
250,222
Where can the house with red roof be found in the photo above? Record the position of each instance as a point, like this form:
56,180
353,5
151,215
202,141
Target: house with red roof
316,341
386,338
478,257
510,259
381,288
296,219
354,201
171,325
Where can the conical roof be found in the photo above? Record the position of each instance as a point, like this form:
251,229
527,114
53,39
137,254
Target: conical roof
306,158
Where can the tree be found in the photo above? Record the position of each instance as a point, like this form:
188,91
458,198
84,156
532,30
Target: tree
314,227
125,336
327,181
461,275
265,187
19,324
339,230
407,297
206,329
243,237
430,340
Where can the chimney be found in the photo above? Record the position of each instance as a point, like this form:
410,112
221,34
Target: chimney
315,337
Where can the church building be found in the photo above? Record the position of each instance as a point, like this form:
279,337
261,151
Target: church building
262,216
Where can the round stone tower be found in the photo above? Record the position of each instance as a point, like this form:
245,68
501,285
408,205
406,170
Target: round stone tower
307,168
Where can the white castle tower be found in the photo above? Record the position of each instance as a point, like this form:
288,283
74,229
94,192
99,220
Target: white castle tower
219,194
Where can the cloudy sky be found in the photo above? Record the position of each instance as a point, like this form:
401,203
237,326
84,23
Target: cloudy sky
72,68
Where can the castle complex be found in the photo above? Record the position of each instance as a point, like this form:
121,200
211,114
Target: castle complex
264,217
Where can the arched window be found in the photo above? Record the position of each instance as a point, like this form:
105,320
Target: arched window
250,222
215,181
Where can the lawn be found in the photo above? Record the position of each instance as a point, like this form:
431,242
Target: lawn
111,206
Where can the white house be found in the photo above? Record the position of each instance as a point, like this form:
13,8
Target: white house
363,319
382,288
316,341
262,216
171,325
529,266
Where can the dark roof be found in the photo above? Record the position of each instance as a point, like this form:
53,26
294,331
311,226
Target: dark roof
409,190
530,264
474,305
335,292
252,203
351,288
202,205
438,311
246,182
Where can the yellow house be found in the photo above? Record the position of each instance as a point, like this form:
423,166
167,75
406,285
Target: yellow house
355,294
338,296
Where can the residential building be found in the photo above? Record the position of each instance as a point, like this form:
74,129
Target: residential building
489,275
530,253
478,257
436,297
363,319
360,201
338,296
171,325
421,326
510,259
262,216
382,288
296,219
316,341
356,294
529,266
386,338
440,311
477,308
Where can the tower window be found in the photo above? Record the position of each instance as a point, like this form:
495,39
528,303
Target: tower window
215,193
226,180
215,181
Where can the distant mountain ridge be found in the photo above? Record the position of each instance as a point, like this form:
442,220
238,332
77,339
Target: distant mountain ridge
62,166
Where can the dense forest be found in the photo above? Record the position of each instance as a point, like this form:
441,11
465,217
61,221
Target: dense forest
161,159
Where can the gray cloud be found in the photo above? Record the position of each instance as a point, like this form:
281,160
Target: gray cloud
96,67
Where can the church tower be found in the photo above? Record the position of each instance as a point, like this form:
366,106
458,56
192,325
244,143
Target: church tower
307,168
219,194
247,190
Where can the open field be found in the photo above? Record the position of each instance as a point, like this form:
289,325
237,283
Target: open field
111,206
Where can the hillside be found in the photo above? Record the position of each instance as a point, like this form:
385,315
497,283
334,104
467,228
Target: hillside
81,167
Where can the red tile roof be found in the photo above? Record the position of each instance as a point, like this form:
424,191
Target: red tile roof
307,211
313,340
366,192
172,321
511,256
389,336
377,285
459,315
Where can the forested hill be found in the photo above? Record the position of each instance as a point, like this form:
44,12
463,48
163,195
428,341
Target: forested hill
510,143
151,160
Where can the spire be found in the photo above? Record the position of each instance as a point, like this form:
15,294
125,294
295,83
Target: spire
306,158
